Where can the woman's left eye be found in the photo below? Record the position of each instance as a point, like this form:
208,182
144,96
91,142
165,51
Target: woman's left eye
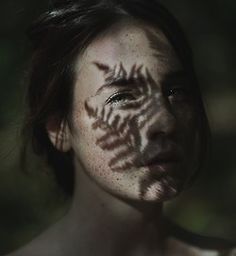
178,93
120,97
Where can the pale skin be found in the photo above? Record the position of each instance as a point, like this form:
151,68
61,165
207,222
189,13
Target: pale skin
124,112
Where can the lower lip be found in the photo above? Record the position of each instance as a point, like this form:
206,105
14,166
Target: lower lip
164,167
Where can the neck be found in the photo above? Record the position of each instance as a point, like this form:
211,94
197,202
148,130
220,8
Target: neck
111,226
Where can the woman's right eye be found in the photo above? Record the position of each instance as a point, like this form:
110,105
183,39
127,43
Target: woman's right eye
120,97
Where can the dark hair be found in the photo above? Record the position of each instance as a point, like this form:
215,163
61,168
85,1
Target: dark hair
58,38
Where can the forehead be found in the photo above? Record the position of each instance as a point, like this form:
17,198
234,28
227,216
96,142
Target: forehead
124,42
130,43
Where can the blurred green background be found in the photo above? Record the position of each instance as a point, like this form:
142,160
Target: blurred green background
29,202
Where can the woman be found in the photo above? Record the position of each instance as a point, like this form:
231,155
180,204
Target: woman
115,109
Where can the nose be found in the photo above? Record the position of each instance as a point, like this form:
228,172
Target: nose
163,123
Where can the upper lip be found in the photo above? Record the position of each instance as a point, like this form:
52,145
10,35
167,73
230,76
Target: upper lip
162,157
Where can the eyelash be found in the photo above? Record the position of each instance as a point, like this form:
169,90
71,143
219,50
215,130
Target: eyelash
115,97
178,93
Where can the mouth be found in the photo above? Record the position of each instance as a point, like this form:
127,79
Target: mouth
163,163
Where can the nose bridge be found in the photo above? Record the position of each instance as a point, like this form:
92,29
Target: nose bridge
162,121
158,121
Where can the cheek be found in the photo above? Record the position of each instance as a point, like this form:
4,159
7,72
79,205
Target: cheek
187,134
111,133
104,153
97,141
187,121
188,126
84,139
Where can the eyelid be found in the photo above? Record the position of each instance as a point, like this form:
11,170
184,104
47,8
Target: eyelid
179,94
175,86
120,92
118,83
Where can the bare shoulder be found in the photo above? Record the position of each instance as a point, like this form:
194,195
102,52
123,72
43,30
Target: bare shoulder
191,244
37,247
178,247
46,244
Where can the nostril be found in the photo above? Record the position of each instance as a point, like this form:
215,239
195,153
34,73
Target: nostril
155,135
163,124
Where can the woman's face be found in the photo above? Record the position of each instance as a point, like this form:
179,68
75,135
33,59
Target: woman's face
134,127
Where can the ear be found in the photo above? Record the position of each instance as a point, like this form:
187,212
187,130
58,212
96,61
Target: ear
59,134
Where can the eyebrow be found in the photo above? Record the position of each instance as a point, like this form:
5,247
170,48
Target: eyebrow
176,75
117,82
123,81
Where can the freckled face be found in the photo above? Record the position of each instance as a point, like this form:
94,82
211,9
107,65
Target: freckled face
133,115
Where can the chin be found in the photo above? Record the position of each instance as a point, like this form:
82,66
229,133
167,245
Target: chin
159,194
156,193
